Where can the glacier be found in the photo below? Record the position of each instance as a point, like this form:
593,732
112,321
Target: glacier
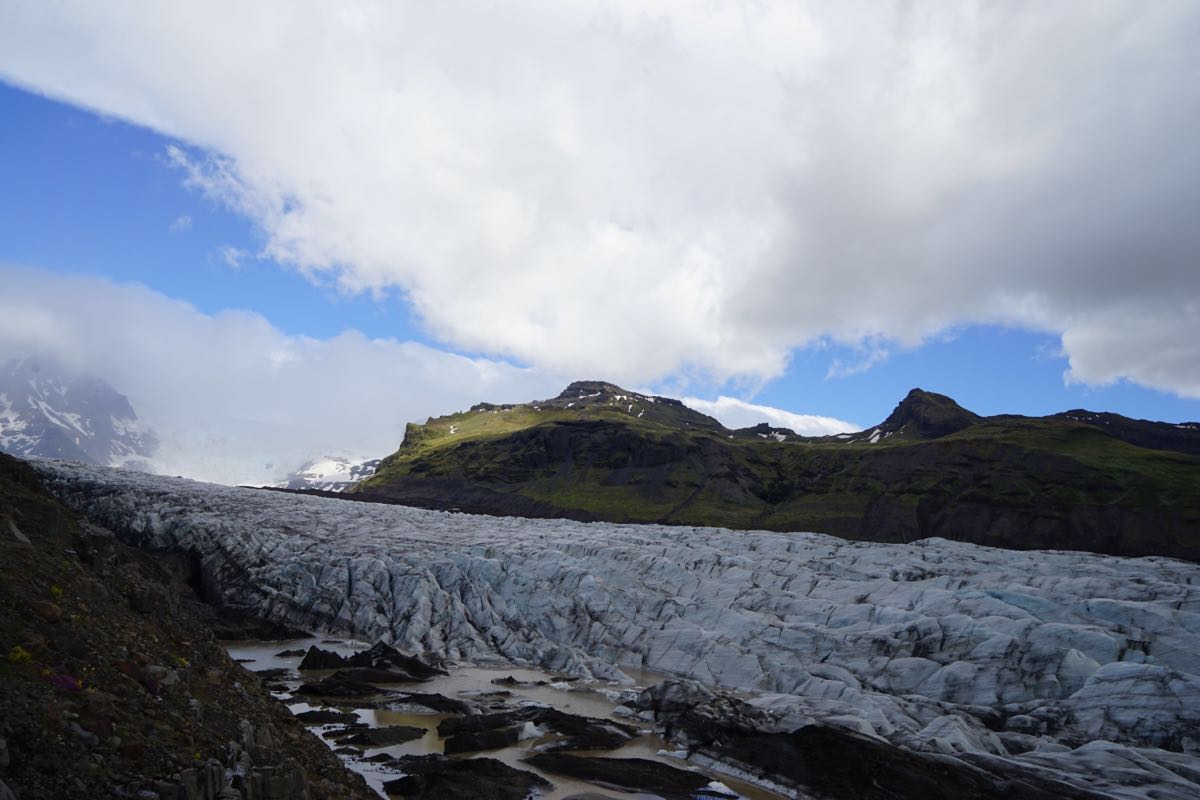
1081,667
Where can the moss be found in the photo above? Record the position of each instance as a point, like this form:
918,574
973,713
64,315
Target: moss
994,480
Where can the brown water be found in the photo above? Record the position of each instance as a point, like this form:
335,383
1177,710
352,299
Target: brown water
466,682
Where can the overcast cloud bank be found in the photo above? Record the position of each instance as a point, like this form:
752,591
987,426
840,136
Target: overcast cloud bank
235,400
701,188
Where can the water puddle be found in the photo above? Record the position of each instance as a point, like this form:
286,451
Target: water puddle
474,684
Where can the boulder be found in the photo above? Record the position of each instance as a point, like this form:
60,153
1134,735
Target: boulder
632,775
375,675
382,737
316,658
343,688
491,739
383,656
326,716
433,702
436,777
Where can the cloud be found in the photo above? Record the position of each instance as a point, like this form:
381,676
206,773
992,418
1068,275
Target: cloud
734,413
869,353
234,399
1163,353
687,189
180,224
233,256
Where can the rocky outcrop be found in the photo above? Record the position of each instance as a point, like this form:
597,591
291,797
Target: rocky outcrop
381,737
489,731
439,778
1039,659
778,744
633,775
121,691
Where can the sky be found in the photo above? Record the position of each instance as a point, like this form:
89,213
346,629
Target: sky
289,228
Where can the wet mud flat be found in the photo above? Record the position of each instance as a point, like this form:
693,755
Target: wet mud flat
408,734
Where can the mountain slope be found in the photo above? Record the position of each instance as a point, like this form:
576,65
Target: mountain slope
46,411
598,452
111,683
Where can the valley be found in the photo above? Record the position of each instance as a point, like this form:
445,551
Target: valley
1054,669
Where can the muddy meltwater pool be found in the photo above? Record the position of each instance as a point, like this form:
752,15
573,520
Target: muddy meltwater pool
467,691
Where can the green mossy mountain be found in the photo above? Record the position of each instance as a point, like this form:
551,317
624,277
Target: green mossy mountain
1077,480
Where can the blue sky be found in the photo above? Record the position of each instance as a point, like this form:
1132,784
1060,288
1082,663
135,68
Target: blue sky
95,195
812,209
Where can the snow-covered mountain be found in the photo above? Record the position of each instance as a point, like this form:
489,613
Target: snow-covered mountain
47,411
331,473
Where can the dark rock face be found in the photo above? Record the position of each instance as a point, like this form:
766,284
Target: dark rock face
630,774
438,778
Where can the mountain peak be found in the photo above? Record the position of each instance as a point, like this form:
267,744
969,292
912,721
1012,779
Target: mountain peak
48,411
928,415
602,393
577,388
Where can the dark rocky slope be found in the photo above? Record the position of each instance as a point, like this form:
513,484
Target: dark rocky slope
1078,480
111,682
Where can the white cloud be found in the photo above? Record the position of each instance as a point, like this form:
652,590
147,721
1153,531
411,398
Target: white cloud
1162,354
686,188
734,413
181,224
233,256
233,399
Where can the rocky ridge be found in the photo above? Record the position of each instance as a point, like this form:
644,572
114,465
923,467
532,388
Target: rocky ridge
1079,668
1079,480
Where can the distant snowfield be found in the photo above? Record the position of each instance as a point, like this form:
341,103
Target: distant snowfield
1081,666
